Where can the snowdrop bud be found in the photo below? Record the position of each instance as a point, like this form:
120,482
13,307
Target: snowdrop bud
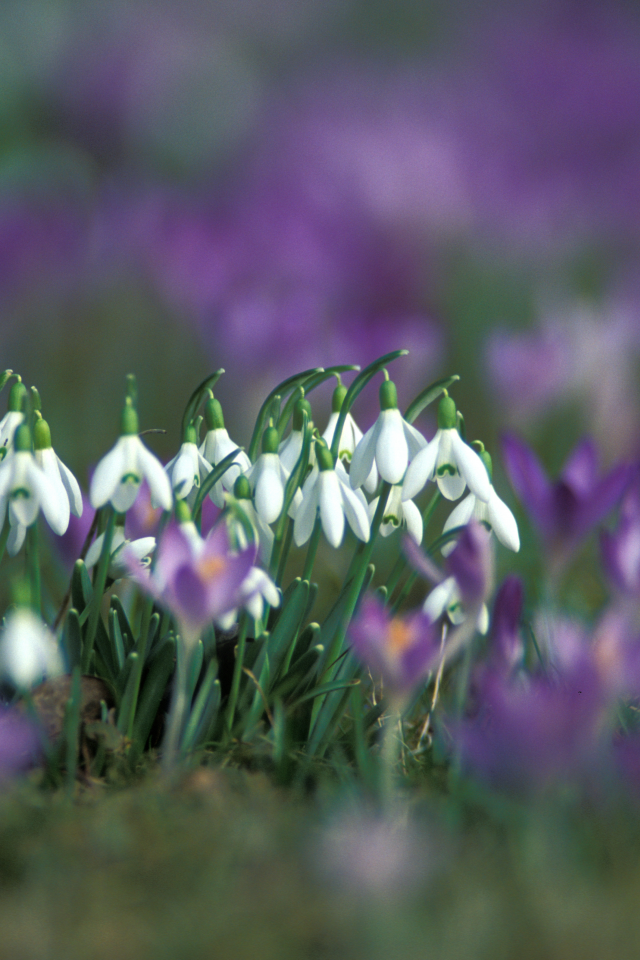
388,395
242,488
338,398
17,395
270,440
213,416
129,421
22,439
301,406
324,458
41,435
447,414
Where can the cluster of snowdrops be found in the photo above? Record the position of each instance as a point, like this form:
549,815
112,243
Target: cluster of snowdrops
212,644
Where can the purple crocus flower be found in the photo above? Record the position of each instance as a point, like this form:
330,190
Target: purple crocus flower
565,511
197,587
506,643
401,650
537,729
20,743
621,548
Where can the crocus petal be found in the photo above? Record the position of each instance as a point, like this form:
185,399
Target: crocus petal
528,480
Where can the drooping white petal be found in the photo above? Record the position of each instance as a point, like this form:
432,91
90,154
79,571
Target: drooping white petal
460,517
415,441
28,650
8,426
503,522
94,551
15,539
72,487
158,481
439,599
421,468
413,518
355,510
57,510
392,449
330,503
107,475
306,513
471,467
184,471
269,487
363,457
290,449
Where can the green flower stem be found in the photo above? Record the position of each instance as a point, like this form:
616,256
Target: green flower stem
98,590
312,550
237,674
33,563
356,585
4,535
396,573
390,755
284,553
179,702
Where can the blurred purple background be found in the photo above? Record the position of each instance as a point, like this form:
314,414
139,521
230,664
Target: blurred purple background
269,186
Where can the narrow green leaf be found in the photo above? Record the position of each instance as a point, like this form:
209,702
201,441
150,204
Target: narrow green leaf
427,396
154,688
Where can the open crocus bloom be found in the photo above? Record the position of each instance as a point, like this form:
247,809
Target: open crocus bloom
401,650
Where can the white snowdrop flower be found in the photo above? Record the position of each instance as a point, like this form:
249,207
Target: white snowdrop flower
350,436
119,566
391,443
445,599
327,490
14,415
263,534
188,468
118,476
216,446
29,651
448,460
59,474
256,591
396,513
290,449
268,478
493,513
25,489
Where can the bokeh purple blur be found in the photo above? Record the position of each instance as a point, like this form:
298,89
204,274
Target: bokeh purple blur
272,186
